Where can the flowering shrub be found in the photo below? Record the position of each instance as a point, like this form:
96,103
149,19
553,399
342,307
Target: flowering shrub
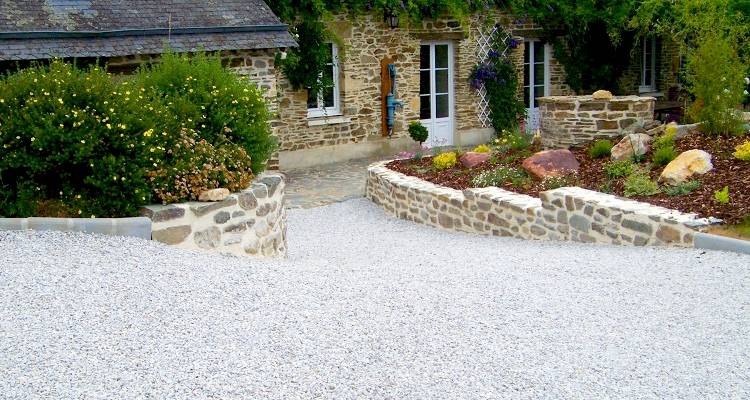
71,137
482,148
742,152
444,161
512,140
80,143
500,176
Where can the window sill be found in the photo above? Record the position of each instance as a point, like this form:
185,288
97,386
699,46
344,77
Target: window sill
327,120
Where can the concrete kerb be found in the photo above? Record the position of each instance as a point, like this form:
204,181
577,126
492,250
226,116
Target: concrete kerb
139,227
707,241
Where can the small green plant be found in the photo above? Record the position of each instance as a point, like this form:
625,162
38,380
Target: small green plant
444,161
600,149
666,139
619,169
500,176
742,152
418,132
722,196
640,184
663,155
482,148
682,188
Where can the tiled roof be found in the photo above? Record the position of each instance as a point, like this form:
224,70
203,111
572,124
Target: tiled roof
36,29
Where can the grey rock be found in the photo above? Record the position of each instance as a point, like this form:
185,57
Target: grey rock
172,235
209,238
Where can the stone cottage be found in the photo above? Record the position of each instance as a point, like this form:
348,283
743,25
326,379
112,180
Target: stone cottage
432,63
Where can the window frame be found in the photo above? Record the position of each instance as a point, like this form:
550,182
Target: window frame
648,87
322,110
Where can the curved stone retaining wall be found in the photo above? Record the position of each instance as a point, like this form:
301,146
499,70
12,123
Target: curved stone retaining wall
252,222
570,213
571,120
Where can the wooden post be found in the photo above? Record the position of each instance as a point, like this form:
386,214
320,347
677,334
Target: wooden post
385,89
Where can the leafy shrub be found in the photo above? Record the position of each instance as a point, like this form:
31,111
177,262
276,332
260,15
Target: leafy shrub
600,149
482,148
640,184
722,196
682,188
666,138
194,166
512,140
201,95
742,152
500,176
619,169
418,132
444,161
73,137
663,155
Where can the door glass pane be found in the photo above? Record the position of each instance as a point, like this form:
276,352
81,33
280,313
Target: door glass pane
538,92
526,98
538,52
526,75
424,82
442,105
526,52
425,108
441,81
441,56
424,57
539,74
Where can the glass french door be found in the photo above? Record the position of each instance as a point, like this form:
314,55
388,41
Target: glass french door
535,79
436,92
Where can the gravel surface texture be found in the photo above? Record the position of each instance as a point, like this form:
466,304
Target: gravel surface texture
368,306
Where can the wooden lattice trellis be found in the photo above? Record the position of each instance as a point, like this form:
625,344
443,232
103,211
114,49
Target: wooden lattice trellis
485,40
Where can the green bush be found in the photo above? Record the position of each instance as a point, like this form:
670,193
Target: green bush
722,196
72,137
201,95
619,169
418,132
500,176
600,149
682,188
663,155
640,184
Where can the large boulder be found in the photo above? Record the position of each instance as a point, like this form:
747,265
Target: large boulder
602,95
685,166
551,163
632,145
472,159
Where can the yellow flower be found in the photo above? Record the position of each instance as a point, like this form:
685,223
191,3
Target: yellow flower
109,126
83,141
60,101
148,133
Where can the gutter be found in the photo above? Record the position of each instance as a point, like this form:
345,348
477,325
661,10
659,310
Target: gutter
143,32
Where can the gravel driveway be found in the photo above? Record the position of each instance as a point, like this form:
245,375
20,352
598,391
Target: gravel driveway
370,307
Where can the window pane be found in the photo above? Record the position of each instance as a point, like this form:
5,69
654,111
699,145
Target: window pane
441,56
526,74
312,99
424,82
329,53
442,106
539,74
424,57
425,108
328,97
526,98
647,77
538,52
526,51
441,81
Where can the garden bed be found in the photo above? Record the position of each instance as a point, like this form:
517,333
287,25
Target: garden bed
728,172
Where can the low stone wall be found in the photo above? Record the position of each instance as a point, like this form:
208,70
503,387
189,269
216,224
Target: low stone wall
134,227
252,222
570,213
572,120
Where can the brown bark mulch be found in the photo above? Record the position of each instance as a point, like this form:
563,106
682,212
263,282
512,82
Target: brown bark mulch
727,171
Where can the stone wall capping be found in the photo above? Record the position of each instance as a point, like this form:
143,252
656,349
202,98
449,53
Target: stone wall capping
567,213
139,227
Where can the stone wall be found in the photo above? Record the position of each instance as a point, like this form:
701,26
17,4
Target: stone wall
570,213
573,120
252,222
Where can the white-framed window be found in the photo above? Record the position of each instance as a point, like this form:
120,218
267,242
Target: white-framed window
327,101
648,66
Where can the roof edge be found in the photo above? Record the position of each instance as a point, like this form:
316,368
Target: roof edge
142,32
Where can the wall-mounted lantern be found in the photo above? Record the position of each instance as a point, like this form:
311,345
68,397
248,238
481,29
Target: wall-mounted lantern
392,19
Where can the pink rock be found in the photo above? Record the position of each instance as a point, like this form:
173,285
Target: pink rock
471,159
551,163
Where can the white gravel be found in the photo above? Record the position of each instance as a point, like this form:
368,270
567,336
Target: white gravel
370,307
